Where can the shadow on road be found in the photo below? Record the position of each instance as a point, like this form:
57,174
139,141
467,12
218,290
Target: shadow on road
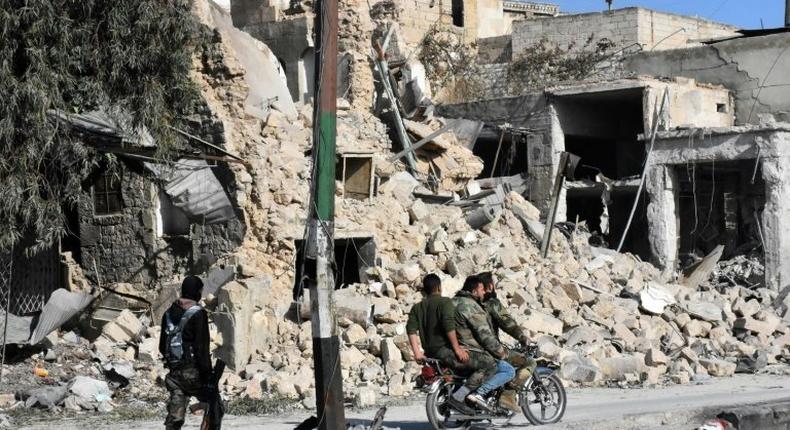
402,425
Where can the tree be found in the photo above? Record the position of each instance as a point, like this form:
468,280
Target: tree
77,56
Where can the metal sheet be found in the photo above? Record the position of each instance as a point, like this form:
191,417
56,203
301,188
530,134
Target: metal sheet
60,307
193,188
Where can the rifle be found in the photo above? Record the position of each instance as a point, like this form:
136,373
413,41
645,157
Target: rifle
212,418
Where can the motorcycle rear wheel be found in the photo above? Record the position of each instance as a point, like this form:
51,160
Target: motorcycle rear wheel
549,392
438,411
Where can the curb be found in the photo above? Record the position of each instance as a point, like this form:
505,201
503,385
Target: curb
773,415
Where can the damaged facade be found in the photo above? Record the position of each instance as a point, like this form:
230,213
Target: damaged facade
715,78
459,188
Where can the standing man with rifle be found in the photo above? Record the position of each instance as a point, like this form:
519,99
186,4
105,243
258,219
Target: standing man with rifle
184,344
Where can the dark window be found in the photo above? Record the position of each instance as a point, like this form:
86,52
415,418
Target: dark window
174,221
458,13
107,194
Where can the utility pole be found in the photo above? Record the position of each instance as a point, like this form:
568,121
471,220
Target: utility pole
320,252
787,13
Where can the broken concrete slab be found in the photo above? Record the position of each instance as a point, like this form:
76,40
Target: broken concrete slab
655,298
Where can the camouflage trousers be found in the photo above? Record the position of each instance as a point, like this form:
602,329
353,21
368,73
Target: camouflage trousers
182,384
481,365
524,368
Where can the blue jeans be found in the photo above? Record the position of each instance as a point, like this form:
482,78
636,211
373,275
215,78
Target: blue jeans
504,373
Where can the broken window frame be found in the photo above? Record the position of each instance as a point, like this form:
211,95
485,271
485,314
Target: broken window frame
105,186
343,169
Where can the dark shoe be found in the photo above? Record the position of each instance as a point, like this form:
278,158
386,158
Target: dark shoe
460,406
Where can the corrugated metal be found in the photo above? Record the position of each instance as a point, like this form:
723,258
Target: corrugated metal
193,188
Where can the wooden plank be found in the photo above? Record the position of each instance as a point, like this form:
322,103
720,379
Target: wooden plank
703,269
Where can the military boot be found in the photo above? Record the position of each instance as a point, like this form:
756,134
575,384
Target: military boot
509,399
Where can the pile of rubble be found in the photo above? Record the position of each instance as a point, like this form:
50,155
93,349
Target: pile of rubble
67,372
605,317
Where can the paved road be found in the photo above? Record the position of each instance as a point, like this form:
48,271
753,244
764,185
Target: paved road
589,408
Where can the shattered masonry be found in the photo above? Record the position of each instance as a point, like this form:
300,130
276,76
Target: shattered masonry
699,291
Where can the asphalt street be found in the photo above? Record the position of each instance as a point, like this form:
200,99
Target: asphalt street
682,407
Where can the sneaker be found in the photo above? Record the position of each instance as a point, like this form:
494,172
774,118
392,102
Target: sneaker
479,400
508,400
460,406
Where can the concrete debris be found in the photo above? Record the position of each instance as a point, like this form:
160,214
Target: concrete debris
605,317
654,298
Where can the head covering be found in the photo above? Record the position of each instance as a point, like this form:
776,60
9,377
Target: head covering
191,288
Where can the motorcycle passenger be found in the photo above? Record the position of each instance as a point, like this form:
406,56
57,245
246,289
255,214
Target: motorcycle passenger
501,319
475,331
431,324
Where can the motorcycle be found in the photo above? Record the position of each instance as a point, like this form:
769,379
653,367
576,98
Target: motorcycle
542,397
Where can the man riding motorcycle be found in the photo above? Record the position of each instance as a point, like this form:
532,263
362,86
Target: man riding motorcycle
432,323
501,319
475,331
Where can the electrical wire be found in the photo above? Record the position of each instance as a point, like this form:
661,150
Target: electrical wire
693,178
765,79
712,195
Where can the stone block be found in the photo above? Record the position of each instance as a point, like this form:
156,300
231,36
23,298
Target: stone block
544,323
407,273
240,303
521,208
718,367
624,333
418,211
680,378
697,328
655,358
124,328
578,370
389,351
402,342
689,355
509,257
355,334
743,308
705,311
651,376
351,357
365,397
754,326
616,368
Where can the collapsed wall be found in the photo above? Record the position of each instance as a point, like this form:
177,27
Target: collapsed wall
606,317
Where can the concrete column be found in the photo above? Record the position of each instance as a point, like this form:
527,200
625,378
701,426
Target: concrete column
776,222
557,147
662,217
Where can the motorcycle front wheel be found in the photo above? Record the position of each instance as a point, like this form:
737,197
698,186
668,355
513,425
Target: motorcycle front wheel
544,400
439,413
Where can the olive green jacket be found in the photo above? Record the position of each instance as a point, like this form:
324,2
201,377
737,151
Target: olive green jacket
501,319
473,326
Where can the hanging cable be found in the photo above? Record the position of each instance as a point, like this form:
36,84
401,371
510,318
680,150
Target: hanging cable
656,120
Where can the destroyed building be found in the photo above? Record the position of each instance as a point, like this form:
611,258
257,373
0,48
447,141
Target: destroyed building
142,222
455,188
714,75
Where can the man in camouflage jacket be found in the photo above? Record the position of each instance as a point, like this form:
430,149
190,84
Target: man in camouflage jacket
501,319
475,332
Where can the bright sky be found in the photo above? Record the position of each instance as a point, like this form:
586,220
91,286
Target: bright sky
741,13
